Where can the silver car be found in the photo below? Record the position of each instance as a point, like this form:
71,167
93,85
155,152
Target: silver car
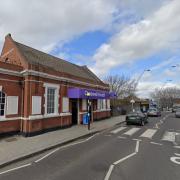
177,113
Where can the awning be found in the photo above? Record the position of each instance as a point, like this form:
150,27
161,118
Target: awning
89,94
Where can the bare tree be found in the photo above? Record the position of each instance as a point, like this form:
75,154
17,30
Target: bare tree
166,96
123,86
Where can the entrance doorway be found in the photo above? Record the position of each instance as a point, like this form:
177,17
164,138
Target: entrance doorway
74,112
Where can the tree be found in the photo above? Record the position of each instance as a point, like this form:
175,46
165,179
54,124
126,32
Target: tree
123,86
165,97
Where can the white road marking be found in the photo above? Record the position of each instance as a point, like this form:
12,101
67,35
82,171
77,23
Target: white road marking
178,147
137,140
109,172
121,137
118,130
132,131
14,169
175,160
169,136
156,143
123,159
149,133
137,147
46,155
177,154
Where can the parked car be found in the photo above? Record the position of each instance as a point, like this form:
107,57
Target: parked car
154,112
175,107
136,117
177,113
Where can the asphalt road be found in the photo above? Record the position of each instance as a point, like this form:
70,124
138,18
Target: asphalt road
151,152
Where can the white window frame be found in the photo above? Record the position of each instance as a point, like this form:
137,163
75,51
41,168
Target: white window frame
100,104
2,117
108,104
56,87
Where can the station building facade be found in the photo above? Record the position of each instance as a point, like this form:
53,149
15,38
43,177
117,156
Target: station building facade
40,92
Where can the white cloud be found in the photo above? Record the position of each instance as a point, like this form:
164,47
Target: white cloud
159,31
43,24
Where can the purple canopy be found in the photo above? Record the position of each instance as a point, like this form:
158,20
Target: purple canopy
89,94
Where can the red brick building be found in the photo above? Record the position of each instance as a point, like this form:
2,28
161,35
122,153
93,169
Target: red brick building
40,92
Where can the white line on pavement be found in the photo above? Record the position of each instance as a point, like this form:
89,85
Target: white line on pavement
132,131
13,169
156,143
149,133
178,147
109,172
118,130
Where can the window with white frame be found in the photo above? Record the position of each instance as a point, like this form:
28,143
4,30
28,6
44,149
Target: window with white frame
84,104
104,103
108,103
2,103
51,98
65,104
100,104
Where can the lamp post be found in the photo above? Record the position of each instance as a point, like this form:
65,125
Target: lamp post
136,84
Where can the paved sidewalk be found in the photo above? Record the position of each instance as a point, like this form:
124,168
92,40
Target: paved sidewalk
17,147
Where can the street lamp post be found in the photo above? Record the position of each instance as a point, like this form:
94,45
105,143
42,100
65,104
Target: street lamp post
136,84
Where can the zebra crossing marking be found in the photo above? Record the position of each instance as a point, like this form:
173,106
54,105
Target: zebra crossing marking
169,136
118,130
149,133
132,131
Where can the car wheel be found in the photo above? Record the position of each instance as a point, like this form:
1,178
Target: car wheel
142,123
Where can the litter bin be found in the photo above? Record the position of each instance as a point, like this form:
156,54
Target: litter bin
85,119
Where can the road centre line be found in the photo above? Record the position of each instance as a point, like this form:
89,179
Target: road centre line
178,147
137,147
108,174
123,159
13,169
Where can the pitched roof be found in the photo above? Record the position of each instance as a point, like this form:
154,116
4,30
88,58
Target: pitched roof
37,57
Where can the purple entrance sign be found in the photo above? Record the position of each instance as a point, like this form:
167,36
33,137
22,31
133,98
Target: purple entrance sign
89,94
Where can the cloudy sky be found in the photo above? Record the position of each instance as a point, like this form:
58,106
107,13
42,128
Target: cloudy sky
109,36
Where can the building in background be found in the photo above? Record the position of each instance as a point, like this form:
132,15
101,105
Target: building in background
40,92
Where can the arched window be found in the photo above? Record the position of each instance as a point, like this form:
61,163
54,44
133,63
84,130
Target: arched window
2,103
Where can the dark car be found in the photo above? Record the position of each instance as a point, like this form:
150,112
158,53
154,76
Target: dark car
154,112
136,117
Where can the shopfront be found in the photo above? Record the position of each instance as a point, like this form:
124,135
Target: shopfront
40,92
